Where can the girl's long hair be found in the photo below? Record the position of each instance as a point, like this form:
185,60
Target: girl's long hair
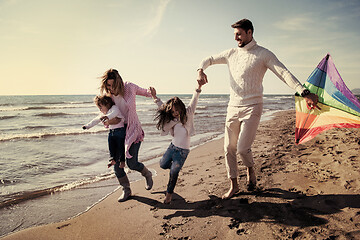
164,114
118,84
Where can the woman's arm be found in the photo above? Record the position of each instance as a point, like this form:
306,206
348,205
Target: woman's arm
114,121
113,116
114,112
140,91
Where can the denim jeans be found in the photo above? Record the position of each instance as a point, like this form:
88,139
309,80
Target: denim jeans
116,140
173,159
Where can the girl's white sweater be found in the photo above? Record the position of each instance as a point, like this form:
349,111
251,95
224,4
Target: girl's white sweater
181,133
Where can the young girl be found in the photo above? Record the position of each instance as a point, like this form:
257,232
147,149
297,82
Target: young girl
173,117
107,107
124,96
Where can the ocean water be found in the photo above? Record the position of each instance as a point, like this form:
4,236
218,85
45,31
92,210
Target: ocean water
51,169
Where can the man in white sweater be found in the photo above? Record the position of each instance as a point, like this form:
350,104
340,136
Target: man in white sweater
247,66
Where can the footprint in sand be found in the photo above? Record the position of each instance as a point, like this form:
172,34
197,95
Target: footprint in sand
154,209
347,185
201,181
62,226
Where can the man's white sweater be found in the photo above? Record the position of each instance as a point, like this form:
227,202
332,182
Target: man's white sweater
247,67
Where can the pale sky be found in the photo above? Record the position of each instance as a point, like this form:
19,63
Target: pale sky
62,47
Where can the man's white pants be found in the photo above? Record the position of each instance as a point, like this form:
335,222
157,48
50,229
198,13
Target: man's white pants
240,131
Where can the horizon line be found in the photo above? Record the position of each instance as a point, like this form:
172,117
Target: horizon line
93,94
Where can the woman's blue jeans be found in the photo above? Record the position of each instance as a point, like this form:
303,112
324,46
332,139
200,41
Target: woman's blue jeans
173,159
116,140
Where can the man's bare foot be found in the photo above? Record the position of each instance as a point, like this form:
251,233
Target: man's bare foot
234,188
230,193
168,198
251,177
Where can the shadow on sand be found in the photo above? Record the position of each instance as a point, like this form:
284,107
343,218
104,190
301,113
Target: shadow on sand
271,205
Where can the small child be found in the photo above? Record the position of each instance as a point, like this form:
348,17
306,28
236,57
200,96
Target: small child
107,108
173,117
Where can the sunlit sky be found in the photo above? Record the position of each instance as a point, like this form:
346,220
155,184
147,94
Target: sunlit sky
63,47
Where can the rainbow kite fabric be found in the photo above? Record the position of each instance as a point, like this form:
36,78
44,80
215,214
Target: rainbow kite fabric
339,107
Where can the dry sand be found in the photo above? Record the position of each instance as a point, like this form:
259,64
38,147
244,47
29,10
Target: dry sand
310,191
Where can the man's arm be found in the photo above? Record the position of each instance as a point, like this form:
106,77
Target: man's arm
287,77
220,58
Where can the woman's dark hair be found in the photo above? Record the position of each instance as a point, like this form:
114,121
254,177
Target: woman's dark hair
164,114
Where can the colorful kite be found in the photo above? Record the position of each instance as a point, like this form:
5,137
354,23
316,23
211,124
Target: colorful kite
339,108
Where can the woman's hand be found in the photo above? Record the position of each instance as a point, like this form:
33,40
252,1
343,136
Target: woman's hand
104,118
113,121
153,92
105,121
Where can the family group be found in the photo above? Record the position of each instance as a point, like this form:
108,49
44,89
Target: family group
247,65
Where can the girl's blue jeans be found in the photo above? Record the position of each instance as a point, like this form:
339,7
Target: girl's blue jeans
173,159
116,140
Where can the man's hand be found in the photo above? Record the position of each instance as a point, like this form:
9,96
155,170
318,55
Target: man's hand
202,76
312,100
